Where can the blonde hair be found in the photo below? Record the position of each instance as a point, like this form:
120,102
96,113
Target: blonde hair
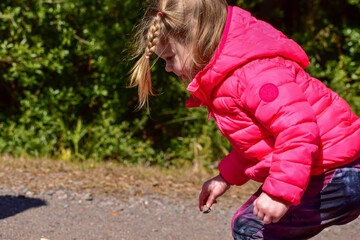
196,24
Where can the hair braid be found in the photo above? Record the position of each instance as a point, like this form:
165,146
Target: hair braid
195,24
153,35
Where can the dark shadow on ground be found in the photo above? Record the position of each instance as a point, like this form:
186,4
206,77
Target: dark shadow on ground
12,205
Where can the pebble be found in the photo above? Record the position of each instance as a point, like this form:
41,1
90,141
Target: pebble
88,197
63,197
29,194
24,191
50,193
206,209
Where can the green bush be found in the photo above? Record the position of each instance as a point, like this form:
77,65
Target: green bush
64,69
61,67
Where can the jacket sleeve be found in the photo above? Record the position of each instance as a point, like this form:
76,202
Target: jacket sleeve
232,170
277,102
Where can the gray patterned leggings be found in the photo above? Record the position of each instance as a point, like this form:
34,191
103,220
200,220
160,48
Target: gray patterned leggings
332,198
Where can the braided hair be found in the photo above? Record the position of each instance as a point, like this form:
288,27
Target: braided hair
196,24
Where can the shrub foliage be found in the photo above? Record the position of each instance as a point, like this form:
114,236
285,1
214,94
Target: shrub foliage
64,69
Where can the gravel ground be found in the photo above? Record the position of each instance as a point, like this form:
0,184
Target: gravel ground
61,213
66,214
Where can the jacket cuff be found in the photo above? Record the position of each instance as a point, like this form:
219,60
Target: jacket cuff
282,191
230,172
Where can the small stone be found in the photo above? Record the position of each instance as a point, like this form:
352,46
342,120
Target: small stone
25,191
29,194
89,197
206,209
50,193
63,197
59,192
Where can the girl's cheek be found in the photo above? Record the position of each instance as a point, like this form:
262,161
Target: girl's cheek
179,67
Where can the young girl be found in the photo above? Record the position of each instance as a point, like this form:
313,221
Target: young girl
287,129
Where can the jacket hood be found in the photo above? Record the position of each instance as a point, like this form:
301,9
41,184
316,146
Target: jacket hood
244,39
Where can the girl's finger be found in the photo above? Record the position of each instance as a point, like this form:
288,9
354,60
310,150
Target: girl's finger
261,216
202,200
275,220
211,200
256,211
267,219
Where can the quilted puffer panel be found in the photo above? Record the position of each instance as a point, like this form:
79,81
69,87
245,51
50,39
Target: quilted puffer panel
283,124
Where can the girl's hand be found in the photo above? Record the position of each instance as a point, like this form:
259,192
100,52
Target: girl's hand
211,190
269,209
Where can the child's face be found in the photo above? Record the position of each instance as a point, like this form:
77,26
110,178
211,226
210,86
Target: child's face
175,56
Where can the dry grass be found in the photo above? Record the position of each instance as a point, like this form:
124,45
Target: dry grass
39,175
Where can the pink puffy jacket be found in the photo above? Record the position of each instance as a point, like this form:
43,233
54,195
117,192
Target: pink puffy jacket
284,125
